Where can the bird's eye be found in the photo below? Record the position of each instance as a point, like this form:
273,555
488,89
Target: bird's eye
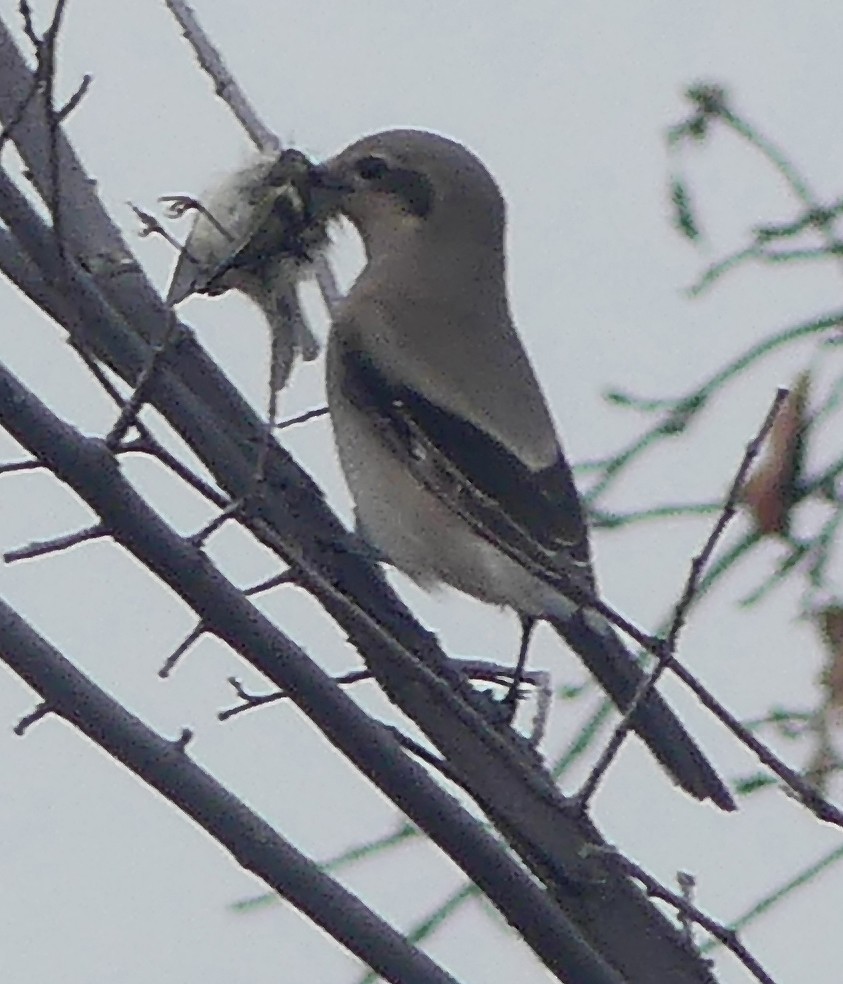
371,168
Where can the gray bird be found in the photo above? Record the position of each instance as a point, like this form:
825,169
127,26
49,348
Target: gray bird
442,431
257,233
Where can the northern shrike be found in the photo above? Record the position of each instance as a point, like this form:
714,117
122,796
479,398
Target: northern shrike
442,430
256,233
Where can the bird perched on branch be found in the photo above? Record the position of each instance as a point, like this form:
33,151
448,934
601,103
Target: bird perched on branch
442,431
257,232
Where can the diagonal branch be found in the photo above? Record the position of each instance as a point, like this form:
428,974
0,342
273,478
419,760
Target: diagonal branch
165,766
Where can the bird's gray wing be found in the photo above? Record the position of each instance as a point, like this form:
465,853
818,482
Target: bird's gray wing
534,516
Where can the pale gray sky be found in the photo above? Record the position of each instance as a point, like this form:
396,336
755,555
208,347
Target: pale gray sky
568,107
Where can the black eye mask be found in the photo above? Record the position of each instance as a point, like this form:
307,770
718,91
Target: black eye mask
412,188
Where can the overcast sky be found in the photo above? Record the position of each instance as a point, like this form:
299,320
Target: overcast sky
568,106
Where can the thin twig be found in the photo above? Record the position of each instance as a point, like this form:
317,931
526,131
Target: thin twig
26,722
57,544
805,792
474,669
286,577
170,662
302,418
77,97
726,936
225,86
250,700
145,443
6,468
228,512
132,407
698,565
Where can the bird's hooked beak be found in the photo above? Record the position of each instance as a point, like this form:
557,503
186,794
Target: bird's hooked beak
352,184
329,186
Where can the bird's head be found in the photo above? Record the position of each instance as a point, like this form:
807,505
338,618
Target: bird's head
405,182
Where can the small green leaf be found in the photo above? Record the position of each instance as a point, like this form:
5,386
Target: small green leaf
683,214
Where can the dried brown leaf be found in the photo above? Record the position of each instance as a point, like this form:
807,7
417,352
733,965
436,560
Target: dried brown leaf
769,492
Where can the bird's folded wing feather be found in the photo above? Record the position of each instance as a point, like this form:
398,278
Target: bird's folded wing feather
535,517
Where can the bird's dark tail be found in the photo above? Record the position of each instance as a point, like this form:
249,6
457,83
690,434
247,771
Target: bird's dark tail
608,660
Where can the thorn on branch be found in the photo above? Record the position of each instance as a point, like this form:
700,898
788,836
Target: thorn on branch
183,740
723,934
193,636
422,754
41,711
75,99
687,884
145,443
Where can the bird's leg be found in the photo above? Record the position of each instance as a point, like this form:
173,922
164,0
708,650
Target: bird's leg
510,700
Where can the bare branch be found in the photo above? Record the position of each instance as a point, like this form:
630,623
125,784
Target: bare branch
555,935
167,767
57,544
225,86
146,444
